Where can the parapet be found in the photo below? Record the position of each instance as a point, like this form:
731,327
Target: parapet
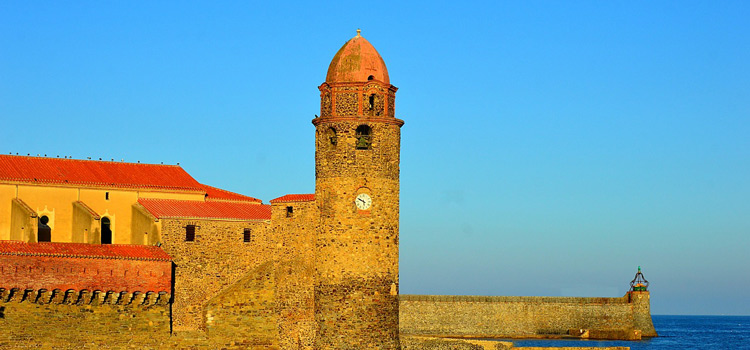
513,299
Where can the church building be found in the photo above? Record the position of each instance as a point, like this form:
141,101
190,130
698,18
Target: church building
316,270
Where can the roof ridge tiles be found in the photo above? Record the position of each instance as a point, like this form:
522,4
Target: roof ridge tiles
84,250
90,172
87,160
208,210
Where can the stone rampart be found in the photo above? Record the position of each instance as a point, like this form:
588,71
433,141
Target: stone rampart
523,317
72,319
241,318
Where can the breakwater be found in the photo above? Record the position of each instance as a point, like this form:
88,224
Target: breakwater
627,317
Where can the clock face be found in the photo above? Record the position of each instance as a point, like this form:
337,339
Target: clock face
363,201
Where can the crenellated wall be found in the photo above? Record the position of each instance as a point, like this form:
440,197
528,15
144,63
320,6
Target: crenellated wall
57,319
525,317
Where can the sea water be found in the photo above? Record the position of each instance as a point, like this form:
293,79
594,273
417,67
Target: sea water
675,332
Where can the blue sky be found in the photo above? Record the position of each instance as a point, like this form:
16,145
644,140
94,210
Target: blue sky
549,148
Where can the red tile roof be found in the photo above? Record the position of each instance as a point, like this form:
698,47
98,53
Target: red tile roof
357,61
217,194
83,250
168,208
95,173
295,198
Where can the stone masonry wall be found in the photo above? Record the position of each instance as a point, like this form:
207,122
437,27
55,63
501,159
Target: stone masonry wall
216,260
294,259
244,315
353,99
515,317
75,320
32,320
641,302
356,263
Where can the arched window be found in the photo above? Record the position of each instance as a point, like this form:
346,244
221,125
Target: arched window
44,232
371,77
364,137
371,102
106,231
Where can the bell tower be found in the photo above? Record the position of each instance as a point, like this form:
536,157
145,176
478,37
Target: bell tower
357,146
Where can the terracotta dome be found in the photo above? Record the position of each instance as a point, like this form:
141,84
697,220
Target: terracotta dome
357,61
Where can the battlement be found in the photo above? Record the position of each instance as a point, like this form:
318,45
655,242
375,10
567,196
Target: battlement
83,297
67,319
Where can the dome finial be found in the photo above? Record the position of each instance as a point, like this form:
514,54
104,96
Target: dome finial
359,31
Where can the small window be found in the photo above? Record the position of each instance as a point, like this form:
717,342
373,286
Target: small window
190,233
106,195
246,235
371,77
364,137
371,102
289,212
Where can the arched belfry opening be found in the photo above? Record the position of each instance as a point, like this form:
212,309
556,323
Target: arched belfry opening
371,102
364,137
106,230
44,232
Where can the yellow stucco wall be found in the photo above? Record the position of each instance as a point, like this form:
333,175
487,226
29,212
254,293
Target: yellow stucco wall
71,224
7,192
85,226
56,204
23,222
117,208
145,229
